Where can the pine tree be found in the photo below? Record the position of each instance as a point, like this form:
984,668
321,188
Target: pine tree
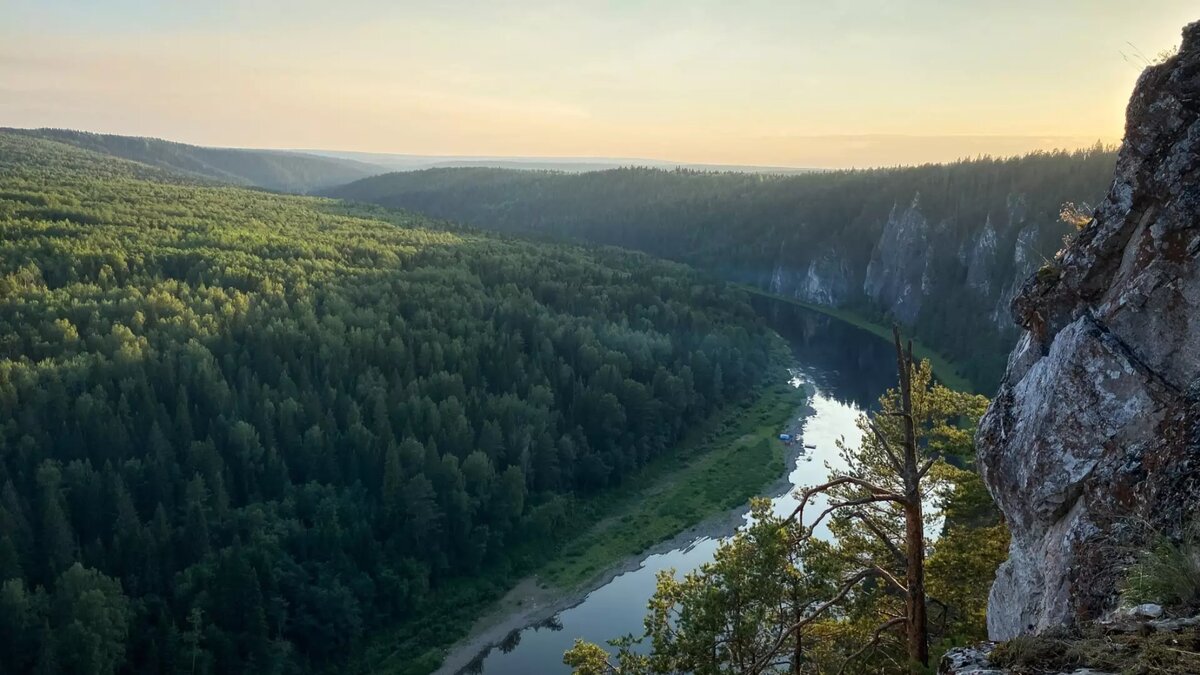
58,538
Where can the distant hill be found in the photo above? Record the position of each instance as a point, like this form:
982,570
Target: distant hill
401,162
283,171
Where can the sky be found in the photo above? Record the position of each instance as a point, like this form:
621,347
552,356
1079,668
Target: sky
786,83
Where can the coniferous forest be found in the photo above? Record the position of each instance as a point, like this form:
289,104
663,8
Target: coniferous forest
960,236
241,430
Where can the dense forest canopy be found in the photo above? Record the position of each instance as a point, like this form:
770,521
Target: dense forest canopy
957,236
241,430
270,169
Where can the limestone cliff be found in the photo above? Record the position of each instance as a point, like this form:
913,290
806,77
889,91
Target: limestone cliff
826,280
895,278
1093,433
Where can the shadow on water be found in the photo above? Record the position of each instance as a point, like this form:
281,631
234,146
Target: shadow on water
511,642
513,639
844,361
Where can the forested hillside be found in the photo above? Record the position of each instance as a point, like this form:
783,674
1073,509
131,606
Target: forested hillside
939,247
239,430
273,170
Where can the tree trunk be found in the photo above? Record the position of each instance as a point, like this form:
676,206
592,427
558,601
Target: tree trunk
798,646
914,525
918,637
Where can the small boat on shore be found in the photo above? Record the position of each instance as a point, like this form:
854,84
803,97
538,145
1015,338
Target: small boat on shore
810,446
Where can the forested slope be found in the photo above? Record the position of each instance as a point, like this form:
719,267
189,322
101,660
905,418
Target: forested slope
939,247
239,430
273,170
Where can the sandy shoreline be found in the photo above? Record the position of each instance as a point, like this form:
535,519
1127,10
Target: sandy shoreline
530,603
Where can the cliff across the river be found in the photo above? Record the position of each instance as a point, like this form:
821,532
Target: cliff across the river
941,248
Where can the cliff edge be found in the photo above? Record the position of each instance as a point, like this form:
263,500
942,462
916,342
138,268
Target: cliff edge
1092,439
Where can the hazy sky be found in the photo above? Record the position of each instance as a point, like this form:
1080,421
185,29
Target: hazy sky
799,83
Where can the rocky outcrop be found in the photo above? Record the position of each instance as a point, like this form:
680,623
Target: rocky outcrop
996,257
896,276
975,661
826,280
1024,262
983,259
1093,433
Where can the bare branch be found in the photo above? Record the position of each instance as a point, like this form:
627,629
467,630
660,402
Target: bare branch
876,570
887,447
902,363
890,579
879,510
834,506
882,536
878,494
925,469
945,618
908,357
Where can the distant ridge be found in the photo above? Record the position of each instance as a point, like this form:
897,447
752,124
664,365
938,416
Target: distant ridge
282,171
404,162
310,171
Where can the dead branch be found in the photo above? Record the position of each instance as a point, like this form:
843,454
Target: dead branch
877,494
890,579
887,447
925,469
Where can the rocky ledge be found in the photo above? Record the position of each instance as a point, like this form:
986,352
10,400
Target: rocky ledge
976,661
1141,640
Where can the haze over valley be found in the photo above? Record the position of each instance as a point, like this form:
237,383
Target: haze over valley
627,339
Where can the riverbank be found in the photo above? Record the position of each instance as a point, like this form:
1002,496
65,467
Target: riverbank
719,481
943,368
719,470
718,467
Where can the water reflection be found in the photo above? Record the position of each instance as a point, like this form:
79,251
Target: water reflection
847,363
849,369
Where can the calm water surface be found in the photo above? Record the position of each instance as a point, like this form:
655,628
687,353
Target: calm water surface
849,368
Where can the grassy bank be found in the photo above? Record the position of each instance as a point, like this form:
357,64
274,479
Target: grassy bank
718,466
944,369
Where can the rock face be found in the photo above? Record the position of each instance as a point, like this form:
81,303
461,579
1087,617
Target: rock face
983,259
992,260
1024,262
896,275
828,280
1093,433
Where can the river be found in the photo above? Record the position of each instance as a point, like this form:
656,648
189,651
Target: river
848,368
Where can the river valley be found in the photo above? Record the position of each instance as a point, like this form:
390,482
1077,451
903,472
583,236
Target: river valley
844,367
